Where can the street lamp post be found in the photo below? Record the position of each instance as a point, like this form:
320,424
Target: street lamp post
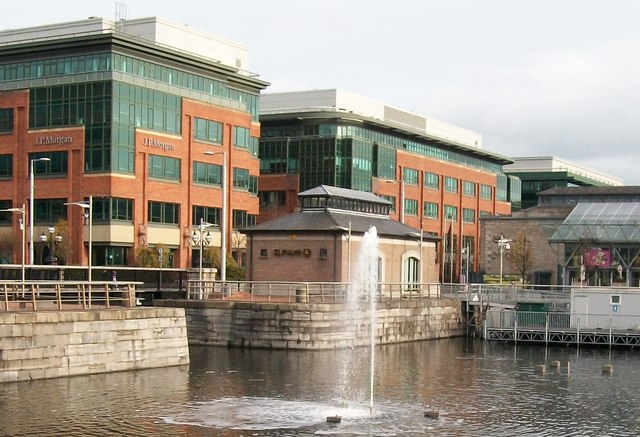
401,202
52,242
88,213
200,239
23,230
503,244
31,201
223,217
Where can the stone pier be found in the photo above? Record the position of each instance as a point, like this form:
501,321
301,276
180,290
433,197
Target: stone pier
316,326
49,344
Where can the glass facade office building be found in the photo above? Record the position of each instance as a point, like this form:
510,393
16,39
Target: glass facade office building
125,118
434,178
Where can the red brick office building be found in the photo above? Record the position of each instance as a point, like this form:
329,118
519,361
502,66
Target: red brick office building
126,113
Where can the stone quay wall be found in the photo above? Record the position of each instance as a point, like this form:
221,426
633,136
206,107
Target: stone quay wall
50,344
315,326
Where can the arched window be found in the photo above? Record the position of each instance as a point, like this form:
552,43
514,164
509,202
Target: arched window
413,272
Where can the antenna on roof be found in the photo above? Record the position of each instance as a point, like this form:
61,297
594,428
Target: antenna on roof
121,14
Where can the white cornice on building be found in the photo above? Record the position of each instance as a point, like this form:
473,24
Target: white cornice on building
544,164
154,29
344,102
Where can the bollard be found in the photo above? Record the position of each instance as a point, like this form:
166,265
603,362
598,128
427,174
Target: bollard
607,369
555,364
432,414
541,369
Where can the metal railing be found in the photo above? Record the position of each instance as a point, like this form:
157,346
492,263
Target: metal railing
318,292
59,295
556,296
557,320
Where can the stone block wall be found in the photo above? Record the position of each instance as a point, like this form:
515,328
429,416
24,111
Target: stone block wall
318,326
49,344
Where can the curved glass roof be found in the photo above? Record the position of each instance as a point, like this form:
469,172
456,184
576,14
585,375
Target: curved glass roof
601,222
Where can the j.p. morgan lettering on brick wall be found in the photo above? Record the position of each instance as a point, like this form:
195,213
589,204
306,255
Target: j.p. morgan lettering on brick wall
43,141
152,142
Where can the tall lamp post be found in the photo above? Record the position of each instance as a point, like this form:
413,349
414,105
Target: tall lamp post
88,214
400,207
23,230
223,218
200,239
31,200
503,244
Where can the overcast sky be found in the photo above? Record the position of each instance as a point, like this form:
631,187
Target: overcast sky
534,78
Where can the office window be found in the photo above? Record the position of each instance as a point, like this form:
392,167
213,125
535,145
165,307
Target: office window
243,219
242,179
207,130
450,184
450,212
205,173
469,188
6,166
162,212
5,216
410,176
241,137
430,210
164,167
6,120
411,206
208,214
49,211
485,192
431,180
468,215
56,166
113,208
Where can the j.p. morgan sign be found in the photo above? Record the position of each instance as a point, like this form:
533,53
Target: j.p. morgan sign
152,142
46,140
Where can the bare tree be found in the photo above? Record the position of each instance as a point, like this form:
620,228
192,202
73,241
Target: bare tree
521,256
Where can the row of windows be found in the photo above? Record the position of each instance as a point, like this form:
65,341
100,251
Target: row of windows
183,79
52,210
110,209
97,62
162,167
431,180
425,147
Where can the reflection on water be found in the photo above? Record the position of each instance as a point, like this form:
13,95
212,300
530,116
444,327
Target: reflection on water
479,389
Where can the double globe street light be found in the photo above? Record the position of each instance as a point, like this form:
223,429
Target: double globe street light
200,238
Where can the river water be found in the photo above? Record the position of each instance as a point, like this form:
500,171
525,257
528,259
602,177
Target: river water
479,388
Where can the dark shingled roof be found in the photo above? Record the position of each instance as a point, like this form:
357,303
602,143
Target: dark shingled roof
334,220
344,193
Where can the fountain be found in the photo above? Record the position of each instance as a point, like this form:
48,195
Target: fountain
341,409
362,295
